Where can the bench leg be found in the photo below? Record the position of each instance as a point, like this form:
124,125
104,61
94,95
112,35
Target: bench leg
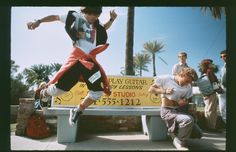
144,124
65,133
156,128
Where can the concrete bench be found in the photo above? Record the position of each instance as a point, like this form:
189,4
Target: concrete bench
129,97
156,128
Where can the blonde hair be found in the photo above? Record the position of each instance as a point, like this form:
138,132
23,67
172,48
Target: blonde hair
188,72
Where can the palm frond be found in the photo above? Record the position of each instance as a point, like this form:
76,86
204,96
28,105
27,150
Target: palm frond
215,11
153,47
163,60
140,62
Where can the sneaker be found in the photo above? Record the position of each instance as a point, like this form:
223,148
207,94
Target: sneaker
74,115
179,144
43,97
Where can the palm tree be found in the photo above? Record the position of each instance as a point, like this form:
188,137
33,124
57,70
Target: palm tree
37,74
14,68
140,62
129,70
215,11
55,67
153,48
18,88
122,71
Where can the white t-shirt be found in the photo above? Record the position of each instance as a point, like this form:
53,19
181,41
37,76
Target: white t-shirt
223,77
88,43
178,67
180,92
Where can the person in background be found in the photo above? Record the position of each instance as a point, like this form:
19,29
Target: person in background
206,83
89,38
176,92
182,63
222,97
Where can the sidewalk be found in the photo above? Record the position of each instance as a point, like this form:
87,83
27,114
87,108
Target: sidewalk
116,141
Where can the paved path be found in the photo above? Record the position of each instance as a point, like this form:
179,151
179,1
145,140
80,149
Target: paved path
116,141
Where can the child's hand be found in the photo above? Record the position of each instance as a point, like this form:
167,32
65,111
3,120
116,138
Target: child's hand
33,25
169,90
113,15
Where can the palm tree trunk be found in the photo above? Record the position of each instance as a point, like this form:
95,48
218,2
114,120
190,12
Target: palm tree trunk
140,71
154,66
129,70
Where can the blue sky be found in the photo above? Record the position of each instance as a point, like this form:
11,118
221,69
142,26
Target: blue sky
180,28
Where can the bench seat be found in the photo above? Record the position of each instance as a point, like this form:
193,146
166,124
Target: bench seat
102,111
156,128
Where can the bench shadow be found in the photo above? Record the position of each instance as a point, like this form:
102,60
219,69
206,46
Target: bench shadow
209,141
119,140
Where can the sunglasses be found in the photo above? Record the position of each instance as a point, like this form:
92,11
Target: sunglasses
223,56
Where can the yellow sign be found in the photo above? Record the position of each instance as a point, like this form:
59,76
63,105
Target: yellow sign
126,91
